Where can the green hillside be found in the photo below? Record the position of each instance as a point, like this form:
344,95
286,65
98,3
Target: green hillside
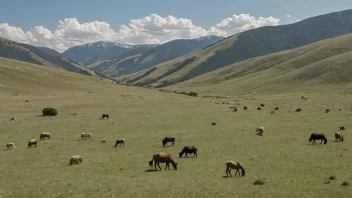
31,54
244,46
313,68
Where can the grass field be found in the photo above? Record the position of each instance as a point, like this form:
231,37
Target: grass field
283,158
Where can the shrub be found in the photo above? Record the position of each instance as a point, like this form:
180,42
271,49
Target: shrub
332,177
345,183
49,112
193,94
258,182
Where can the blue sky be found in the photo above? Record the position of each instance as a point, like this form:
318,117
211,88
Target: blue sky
206,14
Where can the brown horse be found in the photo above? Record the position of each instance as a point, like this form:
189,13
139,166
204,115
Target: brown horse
169,139
234,165
163,158
122,142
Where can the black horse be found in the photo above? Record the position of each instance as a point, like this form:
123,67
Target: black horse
188,149
104,116
298,110
318,136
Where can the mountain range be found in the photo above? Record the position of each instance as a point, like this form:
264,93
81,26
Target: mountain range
243,46
308,53
133,61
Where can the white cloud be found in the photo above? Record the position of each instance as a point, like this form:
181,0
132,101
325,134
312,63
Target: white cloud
240,23
148,30
288,16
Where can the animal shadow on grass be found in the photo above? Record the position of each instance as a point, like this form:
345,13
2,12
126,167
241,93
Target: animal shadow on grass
151,170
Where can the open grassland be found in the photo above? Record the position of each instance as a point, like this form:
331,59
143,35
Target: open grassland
283,158
289,165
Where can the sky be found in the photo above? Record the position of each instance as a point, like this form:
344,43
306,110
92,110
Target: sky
67,23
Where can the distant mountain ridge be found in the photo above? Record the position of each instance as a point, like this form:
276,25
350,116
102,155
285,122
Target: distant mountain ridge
28,53
102,50
244,46
133,61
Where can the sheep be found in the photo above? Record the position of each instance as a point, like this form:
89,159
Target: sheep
86,135
44,136
76,159
260,131
32,142
339,136
10,146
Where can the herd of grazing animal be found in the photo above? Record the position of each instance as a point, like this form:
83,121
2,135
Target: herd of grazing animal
162,157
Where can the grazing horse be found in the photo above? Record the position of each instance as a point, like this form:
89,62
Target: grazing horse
86,135
235,109
245,108
234,165
342,128
259,108
122,142
276,108
339,136
10,146
327,110
318,136
163,158
12,119
76,159
32,142
262,105
44,136
188,149
298,110
260,131
104,116
168,139
103,141
272,112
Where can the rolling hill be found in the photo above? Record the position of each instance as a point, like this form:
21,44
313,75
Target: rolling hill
28,78
311,69
103,50
133,62
31,54
244,46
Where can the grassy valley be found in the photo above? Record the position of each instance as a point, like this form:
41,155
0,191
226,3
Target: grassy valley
283,158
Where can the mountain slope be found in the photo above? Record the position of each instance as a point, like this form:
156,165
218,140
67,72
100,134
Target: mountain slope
324,64
162,53
50,51
31,54
246,45
23,77
103,50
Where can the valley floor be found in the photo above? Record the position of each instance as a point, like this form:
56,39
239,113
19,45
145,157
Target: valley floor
283,158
